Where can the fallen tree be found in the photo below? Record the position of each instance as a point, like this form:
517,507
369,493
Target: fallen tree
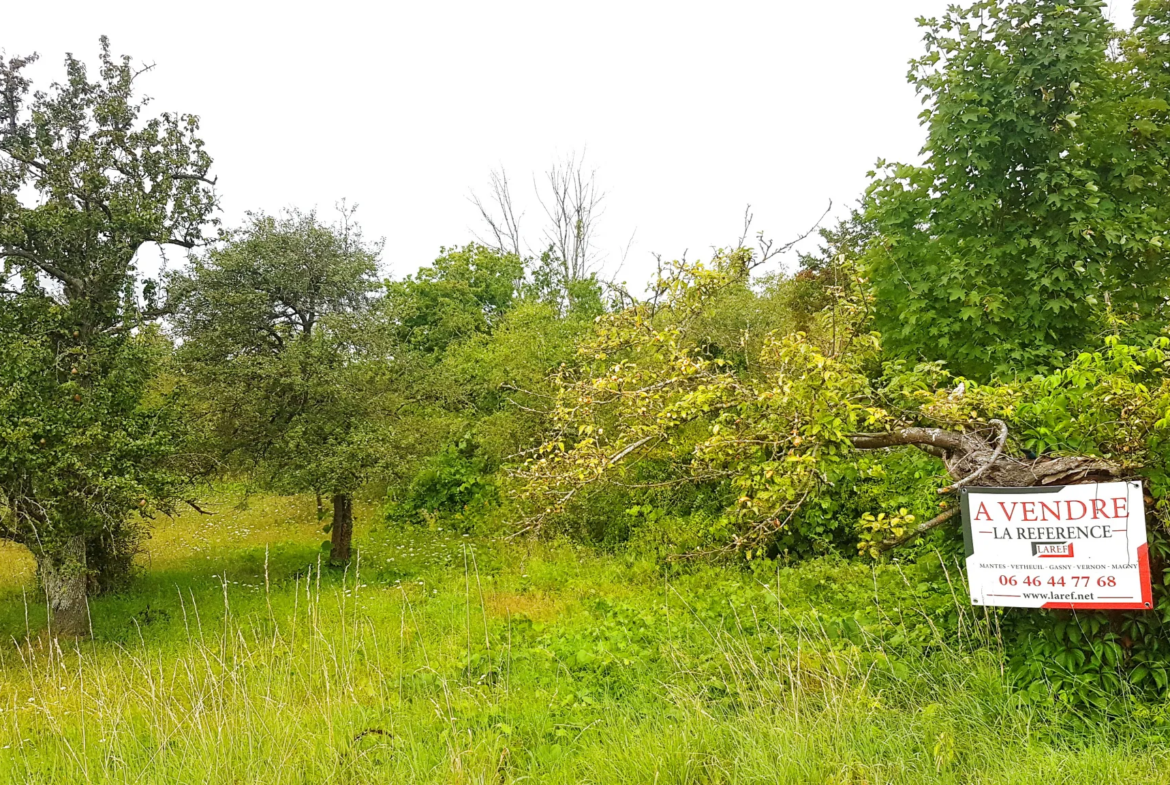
969,457
654,401
973,460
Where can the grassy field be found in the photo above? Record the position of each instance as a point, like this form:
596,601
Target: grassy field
442,658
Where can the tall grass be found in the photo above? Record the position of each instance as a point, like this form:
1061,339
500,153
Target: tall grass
436,659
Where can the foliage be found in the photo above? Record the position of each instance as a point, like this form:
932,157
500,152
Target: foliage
276,353
88,438
1017,275
87,177
547,283
1114,403
499,381
891,489
478,348
649,384
455,481
466,291
827,269
652,407
285,362
1037,220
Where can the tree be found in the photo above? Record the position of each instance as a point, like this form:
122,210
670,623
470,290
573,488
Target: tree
282,359
779,452
498,381
439,320
572,206
86,178
500,216
828,269
565,255
1037,222
465,292
769,437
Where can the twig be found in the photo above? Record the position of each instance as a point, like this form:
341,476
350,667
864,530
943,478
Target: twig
191,503
1003,434
919,530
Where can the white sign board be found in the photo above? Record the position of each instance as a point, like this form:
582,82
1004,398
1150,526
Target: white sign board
1072,546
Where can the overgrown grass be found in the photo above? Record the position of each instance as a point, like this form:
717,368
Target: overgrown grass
440,658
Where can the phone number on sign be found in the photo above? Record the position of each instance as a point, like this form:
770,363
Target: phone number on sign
1073,581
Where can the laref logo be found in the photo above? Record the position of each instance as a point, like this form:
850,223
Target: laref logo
1052,550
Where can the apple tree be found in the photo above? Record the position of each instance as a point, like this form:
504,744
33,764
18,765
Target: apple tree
282,362
88,175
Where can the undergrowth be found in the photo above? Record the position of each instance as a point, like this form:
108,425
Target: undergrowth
440,657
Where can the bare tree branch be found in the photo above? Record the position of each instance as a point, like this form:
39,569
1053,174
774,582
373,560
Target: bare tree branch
48,268
766,249
572,204
505,228
191,503
950,441
1003,434
970,457
196,177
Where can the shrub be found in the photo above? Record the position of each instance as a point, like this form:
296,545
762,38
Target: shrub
454,484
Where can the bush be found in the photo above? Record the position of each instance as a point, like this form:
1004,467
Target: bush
455,485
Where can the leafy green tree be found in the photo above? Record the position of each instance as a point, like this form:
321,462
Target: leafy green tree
282,358
476,338
499,381
1038,220
546,282
87,176
465,292
440,321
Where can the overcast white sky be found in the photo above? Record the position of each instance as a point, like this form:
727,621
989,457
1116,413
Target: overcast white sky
689,111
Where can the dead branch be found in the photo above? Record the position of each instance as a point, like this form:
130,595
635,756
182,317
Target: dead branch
1003,434
500,215
191,503
937,438
919,530
572,205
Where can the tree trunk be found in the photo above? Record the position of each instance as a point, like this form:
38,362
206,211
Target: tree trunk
63,577
342,529
967,453
974,461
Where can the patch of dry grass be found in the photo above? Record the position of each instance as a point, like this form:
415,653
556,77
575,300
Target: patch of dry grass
17,568
535,606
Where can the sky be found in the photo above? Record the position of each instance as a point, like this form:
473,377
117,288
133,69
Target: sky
688,112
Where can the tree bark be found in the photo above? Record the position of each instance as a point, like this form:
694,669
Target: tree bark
342,529
64,580
966,453
949,441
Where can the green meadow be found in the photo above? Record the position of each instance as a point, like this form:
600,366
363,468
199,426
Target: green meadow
238,657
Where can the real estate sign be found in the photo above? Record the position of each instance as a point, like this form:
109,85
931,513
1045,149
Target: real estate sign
1072,546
